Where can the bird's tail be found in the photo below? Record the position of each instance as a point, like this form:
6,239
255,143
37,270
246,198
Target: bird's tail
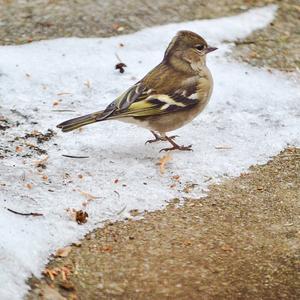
75,123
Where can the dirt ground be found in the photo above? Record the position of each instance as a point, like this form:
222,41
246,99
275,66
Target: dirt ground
240,242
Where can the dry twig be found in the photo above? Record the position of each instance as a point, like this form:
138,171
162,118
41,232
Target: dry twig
33,214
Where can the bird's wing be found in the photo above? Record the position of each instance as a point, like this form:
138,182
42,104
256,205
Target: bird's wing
140,101
137,92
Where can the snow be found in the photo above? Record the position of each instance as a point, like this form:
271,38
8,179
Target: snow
253,112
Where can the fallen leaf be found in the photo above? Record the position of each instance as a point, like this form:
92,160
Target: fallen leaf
120,66
176,177
29,186
19,149
163,161
51,273
81,217
64,273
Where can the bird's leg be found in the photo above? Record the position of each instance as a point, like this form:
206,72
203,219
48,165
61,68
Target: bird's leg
175,146
159,138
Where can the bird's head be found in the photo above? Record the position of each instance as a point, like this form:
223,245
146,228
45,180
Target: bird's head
187,47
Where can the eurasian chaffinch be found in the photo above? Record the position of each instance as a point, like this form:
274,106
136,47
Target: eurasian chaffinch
168,97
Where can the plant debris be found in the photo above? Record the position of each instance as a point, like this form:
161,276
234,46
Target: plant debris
88,195
63,252
33,214
120,66
189,187
176,177
28,185
163,161
74,156
39,150
134,212
223,147
19,149
81,217
42,163
40,137
52,273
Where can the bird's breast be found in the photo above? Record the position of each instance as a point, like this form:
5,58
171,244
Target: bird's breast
204,88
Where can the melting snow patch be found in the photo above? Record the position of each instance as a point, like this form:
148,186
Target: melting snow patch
253,114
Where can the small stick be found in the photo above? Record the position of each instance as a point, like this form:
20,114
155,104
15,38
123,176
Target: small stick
122,210
24,214
117,194
223,147
74,156
64,93
120,66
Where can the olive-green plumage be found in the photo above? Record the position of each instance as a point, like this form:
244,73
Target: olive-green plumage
168,97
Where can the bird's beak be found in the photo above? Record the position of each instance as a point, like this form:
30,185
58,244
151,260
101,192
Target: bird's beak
210,49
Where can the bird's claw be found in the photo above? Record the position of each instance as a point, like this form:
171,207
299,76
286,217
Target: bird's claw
181,148
160,139
173,137
152,141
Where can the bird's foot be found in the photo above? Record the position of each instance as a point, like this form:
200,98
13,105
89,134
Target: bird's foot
177,147
158,138
172,137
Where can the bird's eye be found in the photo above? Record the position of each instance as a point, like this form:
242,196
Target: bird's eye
200,47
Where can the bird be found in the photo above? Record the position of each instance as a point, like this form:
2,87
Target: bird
170,96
